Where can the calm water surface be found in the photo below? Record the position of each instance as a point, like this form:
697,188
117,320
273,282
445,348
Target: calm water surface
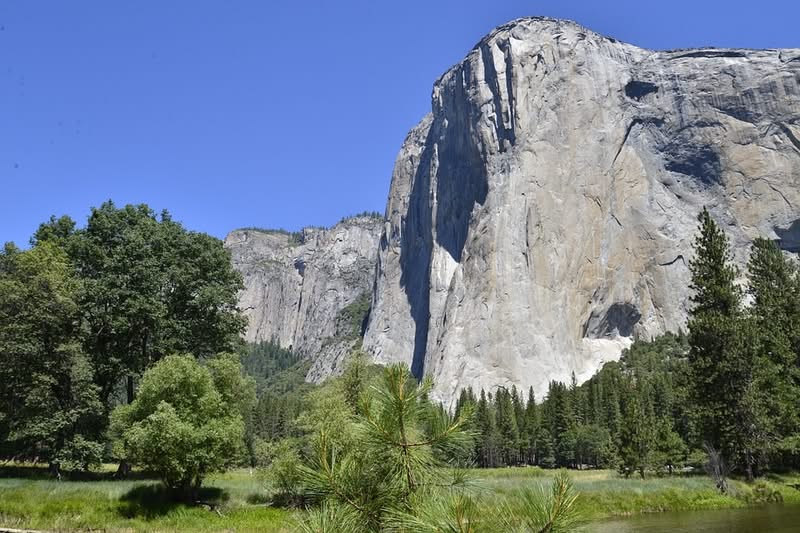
772,518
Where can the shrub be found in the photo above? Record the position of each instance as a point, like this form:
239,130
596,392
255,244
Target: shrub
181,426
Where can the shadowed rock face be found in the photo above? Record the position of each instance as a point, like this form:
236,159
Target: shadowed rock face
295,288
543,213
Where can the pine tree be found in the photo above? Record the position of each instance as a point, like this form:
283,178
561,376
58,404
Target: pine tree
519,414
532,428
612,414
486,443
579,402
394,461
637,438
721,365
775,315
507,426
354,380
560,420
670,450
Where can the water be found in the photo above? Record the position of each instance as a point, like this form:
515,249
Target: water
767,519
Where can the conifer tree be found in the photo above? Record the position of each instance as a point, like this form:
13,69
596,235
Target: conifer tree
507,426
775,315
488,438
532,427
721,365
637,437
519,414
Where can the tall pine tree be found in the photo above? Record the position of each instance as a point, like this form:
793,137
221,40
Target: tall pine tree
721,366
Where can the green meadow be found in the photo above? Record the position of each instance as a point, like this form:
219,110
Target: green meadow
239,500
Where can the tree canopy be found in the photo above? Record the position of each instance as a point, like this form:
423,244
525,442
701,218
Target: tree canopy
187,420
86,310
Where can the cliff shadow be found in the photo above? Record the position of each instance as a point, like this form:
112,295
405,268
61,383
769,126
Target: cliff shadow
416,244
460,183
461,179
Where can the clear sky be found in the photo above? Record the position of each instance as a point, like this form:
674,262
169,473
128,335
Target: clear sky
264,113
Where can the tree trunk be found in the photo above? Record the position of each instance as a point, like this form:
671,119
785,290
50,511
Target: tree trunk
130,388
55,470
748,457
123,470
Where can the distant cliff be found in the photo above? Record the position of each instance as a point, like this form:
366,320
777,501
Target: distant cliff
543,213
301,289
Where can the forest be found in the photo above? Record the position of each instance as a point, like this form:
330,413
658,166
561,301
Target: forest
729,383
120,343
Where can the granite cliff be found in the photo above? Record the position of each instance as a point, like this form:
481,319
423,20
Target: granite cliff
300,286
543,213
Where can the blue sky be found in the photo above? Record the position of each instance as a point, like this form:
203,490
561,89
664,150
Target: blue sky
263,113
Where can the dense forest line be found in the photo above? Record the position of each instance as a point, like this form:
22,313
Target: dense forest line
729,385
90,319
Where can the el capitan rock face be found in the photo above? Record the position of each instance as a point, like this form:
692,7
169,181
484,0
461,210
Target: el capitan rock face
297,285
543,213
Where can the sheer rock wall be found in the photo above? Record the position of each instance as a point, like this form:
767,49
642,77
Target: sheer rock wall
543,213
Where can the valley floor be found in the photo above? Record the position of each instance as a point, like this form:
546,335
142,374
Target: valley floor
34,502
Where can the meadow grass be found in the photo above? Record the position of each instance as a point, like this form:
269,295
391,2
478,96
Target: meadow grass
604,493
37,502
138,505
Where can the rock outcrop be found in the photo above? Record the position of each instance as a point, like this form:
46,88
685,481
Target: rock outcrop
298,285
543,213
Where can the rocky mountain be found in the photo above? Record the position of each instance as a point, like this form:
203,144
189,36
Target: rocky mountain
543,213
309,291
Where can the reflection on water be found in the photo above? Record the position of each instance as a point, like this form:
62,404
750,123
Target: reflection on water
772,519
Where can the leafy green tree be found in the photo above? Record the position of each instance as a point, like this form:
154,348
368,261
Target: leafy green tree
149,288
49,405
237,389
186,422
279,463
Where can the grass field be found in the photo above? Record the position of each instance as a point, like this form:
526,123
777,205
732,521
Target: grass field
603,493
32,501
139,505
